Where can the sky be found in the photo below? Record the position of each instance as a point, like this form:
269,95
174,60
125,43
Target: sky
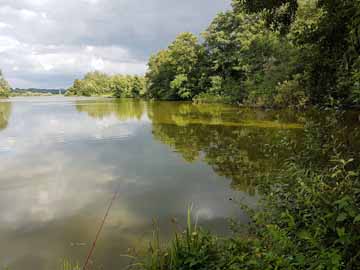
49,43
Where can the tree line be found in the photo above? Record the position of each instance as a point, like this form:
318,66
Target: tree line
97,83
267,53
275,53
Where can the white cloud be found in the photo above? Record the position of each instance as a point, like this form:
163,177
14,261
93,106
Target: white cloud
8,43
97,64
22,13
36,59
27,14
5,25
91,1
53,42
89,48
37,2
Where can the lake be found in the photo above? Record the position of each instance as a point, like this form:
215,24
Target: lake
62,159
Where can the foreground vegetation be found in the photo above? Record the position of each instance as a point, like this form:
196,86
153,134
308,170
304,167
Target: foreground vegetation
308,218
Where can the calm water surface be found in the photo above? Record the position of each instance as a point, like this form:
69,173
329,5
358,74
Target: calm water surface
61,160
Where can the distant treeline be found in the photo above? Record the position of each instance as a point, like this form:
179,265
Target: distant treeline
39,90
6,90
97,83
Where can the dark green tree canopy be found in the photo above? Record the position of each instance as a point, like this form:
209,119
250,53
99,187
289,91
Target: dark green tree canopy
271,53
174,73
279,13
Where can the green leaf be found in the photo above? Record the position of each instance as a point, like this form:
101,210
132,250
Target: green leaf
305,235
340,232
341,217
357,219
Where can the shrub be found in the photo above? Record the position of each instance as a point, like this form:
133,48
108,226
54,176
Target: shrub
290,94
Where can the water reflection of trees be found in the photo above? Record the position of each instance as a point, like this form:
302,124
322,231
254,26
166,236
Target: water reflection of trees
123,109
240,144
181,113
5,112
235,143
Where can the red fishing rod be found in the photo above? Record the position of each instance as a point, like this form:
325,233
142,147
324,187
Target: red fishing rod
91,251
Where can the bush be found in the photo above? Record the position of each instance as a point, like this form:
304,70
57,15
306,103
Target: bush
290,94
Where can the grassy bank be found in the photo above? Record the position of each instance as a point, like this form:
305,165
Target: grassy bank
308,218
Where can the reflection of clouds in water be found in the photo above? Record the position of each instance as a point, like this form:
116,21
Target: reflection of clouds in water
63,167
50,195
52,127
7,144
61,173
45,190
204,213
49,182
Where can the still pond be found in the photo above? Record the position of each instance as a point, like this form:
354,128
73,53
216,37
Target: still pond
62,159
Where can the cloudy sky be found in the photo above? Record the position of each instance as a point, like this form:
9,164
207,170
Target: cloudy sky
48,43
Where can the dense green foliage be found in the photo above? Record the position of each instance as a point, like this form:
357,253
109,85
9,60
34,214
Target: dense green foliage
98,84
308,218
175,73
4,86
273,53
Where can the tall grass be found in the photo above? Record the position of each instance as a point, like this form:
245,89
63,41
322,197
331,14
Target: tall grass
193,248
69,265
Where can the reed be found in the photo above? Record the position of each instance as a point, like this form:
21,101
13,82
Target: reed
69,265
193,248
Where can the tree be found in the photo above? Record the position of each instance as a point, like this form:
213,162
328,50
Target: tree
247,59
138,86
4,86
279,14
173,73
327,34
